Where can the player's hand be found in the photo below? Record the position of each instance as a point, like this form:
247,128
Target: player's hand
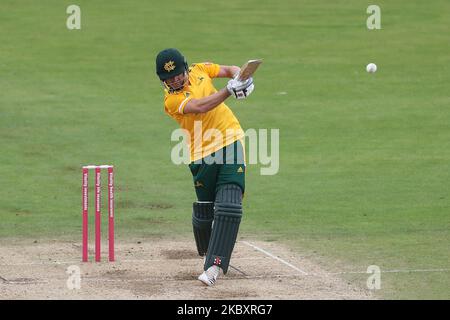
240,89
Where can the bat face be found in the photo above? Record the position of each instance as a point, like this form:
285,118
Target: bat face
248,69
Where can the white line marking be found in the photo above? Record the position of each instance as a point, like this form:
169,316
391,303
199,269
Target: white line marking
274,257
393,271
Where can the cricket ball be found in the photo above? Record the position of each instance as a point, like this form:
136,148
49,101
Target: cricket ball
371,68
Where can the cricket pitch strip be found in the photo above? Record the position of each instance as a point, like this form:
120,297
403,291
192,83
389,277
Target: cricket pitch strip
163,269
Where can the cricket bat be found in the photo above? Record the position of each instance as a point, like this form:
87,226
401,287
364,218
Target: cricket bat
248,69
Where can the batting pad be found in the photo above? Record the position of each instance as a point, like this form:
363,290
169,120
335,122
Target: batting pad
202,218
227,218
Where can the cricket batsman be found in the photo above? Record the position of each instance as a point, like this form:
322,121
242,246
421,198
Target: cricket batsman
217,165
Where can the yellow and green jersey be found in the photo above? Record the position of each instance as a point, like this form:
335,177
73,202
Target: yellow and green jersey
220,118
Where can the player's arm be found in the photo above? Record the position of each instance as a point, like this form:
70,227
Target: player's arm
205,104
228,71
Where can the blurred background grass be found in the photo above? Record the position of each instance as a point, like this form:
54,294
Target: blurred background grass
364,159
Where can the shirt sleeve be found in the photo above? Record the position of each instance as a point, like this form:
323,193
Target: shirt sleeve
174,103
211,69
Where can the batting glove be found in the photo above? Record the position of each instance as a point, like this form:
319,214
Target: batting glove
240,89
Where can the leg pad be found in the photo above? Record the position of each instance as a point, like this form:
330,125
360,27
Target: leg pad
202,218
227,218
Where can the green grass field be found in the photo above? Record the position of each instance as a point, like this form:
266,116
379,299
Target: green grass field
364,158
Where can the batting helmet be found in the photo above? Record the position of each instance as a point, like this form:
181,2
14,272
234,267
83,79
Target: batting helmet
170,63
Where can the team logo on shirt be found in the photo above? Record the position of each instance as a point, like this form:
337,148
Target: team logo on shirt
169,66
198,184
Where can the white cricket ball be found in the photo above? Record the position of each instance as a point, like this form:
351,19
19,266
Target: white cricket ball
371,67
